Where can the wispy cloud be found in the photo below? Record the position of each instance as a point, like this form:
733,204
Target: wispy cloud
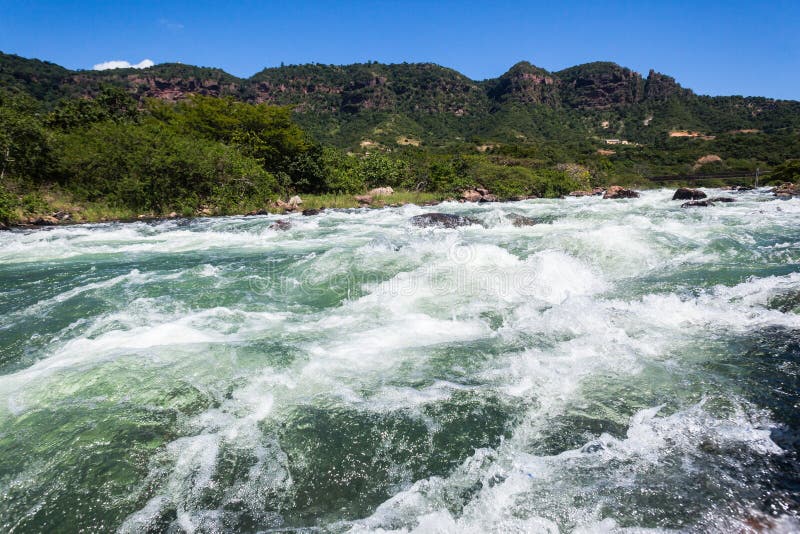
119,64
170,25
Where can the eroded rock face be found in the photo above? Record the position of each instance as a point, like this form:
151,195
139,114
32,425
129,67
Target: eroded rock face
601,85
684,193
444,220
616,191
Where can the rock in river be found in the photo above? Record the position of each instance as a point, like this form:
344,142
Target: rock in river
444,220
616,191
684,193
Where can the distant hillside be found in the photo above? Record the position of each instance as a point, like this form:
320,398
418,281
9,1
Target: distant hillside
374,104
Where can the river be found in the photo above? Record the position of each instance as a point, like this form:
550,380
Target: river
619,366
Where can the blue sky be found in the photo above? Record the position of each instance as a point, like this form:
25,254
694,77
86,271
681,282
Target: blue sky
713,47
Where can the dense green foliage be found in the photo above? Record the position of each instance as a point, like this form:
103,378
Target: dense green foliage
182,138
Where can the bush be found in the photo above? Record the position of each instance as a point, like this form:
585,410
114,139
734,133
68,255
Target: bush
788,171
151,167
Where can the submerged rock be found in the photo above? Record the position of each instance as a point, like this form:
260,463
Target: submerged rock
444,220
697,204
785,302
281,224
521,220
616,191
684,193
722,199
310,212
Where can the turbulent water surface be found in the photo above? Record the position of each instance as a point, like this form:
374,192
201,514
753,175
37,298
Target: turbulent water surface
618,366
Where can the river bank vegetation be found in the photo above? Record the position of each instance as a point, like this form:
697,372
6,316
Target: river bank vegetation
96,146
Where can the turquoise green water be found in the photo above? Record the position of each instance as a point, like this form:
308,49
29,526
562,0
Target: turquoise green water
627,365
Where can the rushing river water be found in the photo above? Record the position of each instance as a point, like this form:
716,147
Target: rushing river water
619,366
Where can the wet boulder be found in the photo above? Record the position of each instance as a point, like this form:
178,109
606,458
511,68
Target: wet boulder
722,199
444,220
261,211
310,212
697,204
616,191
685,193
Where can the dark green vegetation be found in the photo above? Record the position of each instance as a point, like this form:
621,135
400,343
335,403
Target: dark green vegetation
182,138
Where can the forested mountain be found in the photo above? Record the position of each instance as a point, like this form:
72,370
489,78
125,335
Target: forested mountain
185,139
377,104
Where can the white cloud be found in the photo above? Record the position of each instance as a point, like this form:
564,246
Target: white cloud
170,25
118,64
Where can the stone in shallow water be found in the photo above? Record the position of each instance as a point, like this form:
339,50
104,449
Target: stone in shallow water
444,220
697,204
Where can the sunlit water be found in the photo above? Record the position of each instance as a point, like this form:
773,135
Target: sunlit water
620,366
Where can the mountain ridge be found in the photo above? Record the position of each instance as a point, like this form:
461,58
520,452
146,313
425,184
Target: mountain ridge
349,105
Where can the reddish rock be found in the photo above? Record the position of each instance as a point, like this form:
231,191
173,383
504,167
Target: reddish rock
616,191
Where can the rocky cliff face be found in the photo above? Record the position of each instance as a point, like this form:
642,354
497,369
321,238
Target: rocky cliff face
425,98
600,86
660,87
526,84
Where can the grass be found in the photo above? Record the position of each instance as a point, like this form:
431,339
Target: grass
349,201
50,201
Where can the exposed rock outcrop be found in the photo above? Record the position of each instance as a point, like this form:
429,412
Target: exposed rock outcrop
478,194
786,190
616,191
381,192
684,193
